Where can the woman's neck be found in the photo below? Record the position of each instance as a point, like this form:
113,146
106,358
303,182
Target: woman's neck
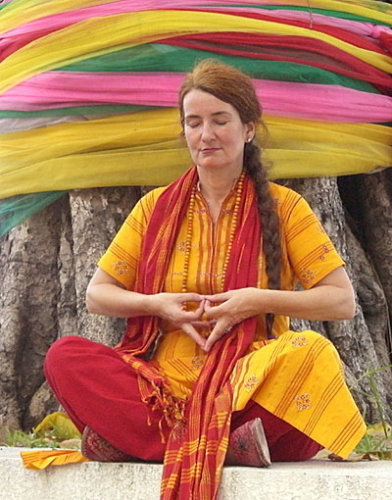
216,185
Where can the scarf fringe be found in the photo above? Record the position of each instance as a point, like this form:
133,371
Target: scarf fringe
159,399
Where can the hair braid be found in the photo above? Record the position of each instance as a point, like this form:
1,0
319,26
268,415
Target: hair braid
269,221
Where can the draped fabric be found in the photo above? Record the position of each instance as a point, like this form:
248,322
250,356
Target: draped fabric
72,68
195,456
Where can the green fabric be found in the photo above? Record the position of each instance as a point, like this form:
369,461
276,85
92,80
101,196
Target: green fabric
105,109
161,57
16,209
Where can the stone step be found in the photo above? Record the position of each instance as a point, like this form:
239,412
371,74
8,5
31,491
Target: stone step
312,480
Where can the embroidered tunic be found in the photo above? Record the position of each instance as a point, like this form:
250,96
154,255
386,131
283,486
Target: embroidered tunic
298,376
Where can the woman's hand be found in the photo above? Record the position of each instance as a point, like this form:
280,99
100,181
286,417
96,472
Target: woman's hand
231,308
171,307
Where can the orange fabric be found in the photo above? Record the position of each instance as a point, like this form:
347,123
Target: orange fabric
307,252
41,459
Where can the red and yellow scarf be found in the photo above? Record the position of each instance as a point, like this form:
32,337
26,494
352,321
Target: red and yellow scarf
194,458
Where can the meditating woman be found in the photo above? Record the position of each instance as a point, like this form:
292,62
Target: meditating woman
208,371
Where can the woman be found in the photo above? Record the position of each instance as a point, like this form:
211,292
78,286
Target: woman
205,270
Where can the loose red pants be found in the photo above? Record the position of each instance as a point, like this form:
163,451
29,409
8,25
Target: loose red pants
97,388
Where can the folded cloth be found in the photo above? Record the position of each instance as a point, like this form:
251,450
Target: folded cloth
43,458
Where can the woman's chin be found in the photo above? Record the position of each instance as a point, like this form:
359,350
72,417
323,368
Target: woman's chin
211,163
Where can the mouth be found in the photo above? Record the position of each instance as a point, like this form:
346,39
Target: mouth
207,151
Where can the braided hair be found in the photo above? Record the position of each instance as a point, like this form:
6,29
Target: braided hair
234,87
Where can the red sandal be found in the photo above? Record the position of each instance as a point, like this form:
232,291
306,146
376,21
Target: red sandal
248,446
96,448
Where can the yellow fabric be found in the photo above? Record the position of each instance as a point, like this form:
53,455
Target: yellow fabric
23,12
145,149
98,36
293,376
39,460
65,428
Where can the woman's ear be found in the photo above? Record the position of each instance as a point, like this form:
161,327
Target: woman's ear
250,131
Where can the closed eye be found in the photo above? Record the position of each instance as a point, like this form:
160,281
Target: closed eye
192,124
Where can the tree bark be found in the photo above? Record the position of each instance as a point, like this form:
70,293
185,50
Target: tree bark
46,264
96,216
29,290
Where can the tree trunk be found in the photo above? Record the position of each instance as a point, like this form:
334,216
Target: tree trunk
29,290
46,264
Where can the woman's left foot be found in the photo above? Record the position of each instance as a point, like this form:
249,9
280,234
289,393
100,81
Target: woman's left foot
248,446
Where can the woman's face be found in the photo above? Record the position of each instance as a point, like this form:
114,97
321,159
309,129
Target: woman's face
214,132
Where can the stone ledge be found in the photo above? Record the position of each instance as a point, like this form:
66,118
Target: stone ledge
313,480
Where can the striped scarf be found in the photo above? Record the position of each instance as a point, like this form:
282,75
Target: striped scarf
195,456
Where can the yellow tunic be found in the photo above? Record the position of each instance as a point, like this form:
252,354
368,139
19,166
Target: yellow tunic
298,376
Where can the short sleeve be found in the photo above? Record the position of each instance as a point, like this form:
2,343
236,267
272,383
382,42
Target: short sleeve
309,249
121,258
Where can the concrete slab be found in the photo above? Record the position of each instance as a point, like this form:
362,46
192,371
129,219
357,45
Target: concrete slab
313,480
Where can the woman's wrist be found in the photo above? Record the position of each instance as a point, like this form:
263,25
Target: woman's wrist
261,302
149,304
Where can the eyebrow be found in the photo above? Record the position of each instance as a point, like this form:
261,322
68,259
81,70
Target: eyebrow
218,113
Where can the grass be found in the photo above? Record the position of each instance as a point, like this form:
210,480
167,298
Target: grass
19,438
378,439
58,432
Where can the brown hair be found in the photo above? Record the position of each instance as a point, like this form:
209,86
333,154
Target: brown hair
234,87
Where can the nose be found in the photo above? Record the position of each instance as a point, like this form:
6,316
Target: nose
207,132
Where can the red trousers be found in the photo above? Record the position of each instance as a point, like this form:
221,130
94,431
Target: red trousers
97,388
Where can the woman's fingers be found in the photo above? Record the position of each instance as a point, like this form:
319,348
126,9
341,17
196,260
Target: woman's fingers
200,310
217,333
194,334
215,312
204,324
218,297
191,316
190,297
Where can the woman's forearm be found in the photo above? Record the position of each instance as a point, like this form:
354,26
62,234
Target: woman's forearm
329,300
324,303
111,300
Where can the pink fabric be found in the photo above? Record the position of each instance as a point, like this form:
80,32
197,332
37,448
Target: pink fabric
20,36
89,379
289,99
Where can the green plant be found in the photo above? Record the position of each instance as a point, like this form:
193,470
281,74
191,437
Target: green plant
378,438
45,438
19,438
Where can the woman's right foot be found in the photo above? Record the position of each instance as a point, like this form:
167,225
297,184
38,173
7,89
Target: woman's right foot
96,448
